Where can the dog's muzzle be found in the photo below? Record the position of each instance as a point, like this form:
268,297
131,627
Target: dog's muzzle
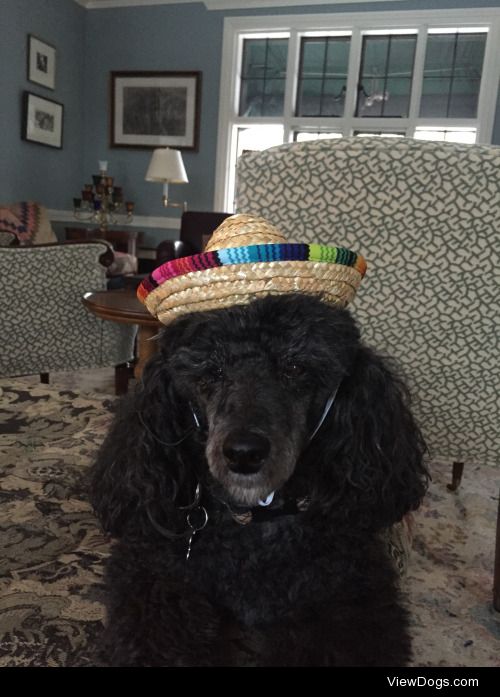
245,451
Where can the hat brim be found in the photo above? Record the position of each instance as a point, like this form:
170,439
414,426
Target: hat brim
213,280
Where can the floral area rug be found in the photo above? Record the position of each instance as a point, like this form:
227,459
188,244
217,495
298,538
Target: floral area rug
52,553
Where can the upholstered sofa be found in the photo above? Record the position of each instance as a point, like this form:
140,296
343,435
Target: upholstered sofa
426,216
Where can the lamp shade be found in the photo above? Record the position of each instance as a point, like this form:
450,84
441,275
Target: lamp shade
166,166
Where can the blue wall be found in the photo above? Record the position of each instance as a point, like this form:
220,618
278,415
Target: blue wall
28,170
90,44
169,37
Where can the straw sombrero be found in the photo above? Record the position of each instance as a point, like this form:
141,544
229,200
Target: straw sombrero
246,258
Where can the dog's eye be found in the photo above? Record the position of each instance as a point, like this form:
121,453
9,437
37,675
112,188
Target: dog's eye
292,369
213,375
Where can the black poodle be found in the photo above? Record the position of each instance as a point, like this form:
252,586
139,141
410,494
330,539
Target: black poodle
247,482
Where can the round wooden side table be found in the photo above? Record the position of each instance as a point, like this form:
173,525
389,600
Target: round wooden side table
123,306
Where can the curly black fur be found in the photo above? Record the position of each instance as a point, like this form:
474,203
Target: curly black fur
313,587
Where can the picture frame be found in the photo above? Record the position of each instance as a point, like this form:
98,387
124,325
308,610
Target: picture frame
41,62
42,120
155,109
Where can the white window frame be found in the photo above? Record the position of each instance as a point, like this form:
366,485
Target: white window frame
236,29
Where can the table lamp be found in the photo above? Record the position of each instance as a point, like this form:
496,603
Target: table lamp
167,166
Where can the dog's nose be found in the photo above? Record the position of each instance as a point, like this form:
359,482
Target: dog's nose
245,451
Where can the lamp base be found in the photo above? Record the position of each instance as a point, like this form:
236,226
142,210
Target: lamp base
170,204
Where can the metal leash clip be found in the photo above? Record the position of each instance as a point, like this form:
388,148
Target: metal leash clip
194,527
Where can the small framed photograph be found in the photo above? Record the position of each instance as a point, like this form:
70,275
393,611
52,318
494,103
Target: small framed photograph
41,62
155,109
42,120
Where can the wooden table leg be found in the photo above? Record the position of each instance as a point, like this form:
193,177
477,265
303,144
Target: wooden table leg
146,347
122,374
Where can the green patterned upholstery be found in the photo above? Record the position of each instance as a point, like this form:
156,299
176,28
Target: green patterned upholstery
426,217
45,326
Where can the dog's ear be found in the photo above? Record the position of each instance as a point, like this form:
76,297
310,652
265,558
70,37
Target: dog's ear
136,469
370,454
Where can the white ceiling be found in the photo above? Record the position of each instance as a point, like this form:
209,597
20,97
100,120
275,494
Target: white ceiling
93,4
216,4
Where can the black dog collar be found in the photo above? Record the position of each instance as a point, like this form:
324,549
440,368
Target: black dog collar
265,514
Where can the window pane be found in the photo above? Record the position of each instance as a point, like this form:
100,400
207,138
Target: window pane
452,75
263,73
453,135
333,100
322,76
463,97
384,134
302,136
277,52
251,97
313,58
337,56
254,58
309,97
274,94
386,75
258,138
402,56
398,102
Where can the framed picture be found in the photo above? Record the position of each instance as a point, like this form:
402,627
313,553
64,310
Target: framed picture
42,120
155,109
41,62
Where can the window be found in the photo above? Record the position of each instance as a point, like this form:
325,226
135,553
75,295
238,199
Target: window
386,75
424,74
263,73
452,74
322,76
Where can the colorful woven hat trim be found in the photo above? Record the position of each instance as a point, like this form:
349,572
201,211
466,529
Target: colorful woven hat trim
248,255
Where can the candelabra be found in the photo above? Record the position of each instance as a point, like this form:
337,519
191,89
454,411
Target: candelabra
101,200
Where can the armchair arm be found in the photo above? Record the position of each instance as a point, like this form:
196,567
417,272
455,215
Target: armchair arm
106,259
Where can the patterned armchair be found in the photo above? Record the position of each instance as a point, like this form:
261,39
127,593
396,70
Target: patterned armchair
44,324
427,218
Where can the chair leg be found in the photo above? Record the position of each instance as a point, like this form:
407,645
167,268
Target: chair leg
496,568
122,374
456,476
44,378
